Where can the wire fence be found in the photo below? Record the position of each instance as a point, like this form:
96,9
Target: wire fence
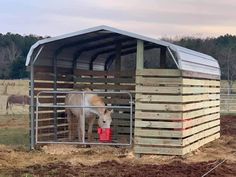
228,100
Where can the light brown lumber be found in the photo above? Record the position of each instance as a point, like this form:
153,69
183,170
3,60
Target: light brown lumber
198,105
157,150
155,124
201,127
199,82
200,143
158,115
158,107
158,98
157,133
201,120
201,112
153,81
147,89
157,141
158,72
200,135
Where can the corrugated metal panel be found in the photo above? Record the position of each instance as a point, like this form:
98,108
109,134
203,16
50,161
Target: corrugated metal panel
190,60
187,59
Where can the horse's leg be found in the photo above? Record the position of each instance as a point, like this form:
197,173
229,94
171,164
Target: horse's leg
90,127
81,127
74,127
69,119
11,105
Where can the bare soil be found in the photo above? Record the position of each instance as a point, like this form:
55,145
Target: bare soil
62,160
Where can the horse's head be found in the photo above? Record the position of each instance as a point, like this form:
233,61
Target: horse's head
104,120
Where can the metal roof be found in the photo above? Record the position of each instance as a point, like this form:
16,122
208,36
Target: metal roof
100,41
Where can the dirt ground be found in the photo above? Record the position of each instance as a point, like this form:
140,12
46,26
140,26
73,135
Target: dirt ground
62,160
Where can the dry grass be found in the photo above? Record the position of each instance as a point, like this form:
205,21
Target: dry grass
8,87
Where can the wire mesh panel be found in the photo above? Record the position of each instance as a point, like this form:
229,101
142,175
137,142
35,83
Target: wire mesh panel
61,120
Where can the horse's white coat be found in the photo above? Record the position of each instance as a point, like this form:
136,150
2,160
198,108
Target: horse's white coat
75,115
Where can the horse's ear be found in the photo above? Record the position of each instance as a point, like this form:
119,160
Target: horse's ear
111,111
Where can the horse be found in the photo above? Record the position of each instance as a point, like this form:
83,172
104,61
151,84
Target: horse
17,99
75,115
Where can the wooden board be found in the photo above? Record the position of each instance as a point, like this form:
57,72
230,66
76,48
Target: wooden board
157,150
198,82
200,143
158,115
158,72
157,133
200,120
158,98
157,141
155,81
200,135
158,90
200,128
201,112
157,124
158,107
192,74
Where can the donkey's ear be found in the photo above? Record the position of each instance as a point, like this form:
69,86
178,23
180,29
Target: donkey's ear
111,111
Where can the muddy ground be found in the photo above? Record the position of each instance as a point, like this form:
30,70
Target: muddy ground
61,160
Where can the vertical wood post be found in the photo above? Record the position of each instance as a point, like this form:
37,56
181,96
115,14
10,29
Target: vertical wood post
55,96
139,66
117,75
139,55
74,67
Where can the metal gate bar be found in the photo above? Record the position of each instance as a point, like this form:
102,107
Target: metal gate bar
38,104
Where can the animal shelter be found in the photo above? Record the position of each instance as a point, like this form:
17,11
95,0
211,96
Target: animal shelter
175,90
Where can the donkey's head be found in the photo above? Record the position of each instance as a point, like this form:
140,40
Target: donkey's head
104,120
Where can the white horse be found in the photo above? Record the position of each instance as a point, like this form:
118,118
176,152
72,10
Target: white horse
75,115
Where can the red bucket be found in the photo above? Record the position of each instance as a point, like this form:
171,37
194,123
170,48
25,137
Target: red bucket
104,134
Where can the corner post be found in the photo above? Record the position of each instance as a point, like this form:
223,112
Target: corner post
117,76
139,66
140,55
32,107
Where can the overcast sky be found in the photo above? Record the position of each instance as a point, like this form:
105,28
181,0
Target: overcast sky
155,18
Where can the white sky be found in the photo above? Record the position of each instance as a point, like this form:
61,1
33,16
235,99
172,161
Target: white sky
155,18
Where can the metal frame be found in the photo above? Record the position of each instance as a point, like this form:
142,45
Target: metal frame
38,104
184,63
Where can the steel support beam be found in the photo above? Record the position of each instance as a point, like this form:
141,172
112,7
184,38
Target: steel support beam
111,57
94,57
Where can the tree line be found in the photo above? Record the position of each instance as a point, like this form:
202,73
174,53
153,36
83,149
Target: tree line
13,52
14,49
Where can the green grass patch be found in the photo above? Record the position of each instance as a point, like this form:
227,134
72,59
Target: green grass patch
14,136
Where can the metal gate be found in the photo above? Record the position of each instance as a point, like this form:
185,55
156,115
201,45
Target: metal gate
56,105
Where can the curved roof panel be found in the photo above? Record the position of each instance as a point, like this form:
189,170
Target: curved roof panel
187,59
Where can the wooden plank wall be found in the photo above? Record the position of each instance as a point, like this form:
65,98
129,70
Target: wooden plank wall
95,80
175,112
